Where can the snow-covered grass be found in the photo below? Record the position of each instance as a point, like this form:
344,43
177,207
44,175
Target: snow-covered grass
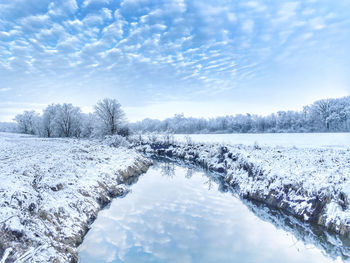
311,183
51,189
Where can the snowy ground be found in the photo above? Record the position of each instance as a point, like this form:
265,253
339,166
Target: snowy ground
310,183
300,140
51,189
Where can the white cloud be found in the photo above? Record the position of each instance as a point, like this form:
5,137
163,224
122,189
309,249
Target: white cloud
288,10
248,26
106,13
5,89
176,6
256,6
114,30
317,23
56,31
93,20
71,5
89,2
62,8
75,24
231,17
35,21
69,44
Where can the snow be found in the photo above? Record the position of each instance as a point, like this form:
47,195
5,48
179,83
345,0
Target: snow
300,140
311,183
51,189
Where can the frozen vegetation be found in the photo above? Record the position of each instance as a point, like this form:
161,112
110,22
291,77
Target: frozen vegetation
322,116
311,184
52,189
65,120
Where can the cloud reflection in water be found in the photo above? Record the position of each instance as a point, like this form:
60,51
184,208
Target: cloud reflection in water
185,218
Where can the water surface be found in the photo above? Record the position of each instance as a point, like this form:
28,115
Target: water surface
176,214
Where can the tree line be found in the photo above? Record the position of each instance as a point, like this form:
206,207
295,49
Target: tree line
66,120
327,115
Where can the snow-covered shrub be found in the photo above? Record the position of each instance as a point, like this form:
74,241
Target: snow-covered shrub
152,137
256,146
168,139
116,141
189,140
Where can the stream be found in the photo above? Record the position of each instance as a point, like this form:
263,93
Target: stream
178,213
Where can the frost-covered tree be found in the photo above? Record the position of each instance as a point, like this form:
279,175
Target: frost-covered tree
48,121
321,116
110,115
88,125
8,127
28,122
68,120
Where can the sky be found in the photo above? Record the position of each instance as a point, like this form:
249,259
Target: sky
157,58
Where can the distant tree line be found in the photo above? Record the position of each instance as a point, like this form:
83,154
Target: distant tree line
66,120
328,115
8,127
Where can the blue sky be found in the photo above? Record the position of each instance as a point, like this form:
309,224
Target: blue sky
158,58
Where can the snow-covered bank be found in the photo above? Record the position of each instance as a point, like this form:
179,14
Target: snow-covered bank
312,184
52,189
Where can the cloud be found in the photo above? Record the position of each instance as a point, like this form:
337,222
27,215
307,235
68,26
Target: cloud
288,10
183,48
34,22
317,23
256,6
5,89
62,8
248,26
106,14
231,17
89,2
93,20
75,24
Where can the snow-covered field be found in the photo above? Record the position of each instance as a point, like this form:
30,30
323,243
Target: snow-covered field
299,140
310,183
51,189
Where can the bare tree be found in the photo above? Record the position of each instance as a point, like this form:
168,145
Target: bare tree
111,115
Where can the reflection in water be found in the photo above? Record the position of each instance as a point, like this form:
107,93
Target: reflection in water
177,214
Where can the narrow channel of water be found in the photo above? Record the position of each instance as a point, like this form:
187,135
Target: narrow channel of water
177,214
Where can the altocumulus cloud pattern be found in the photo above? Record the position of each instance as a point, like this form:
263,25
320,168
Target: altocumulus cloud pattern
168,50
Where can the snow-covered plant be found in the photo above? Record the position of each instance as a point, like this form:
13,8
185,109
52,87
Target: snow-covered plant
168,139
256,146
116,141
189,140
152,137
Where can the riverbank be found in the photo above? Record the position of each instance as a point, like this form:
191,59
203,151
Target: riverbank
52,189
311,184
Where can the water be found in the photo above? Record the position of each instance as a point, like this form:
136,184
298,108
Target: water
300,140
177,214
